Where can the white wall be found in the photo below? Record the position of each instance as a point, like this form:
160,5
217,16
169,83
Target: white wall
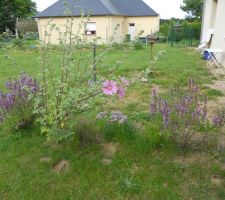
214,17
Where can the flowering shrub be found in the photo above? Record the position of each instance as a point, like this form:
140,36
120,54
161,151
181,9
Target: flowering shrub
18,97
183,114
111,87
56,112
70,85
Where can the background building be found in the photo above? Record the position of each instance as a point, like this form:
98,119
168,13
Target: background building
108,18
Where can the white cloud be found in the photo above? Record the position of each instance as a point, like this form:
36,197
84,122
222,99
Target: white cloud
43,4
166,8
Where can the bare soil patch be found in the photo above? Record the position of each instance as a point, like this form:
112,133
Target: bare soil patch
61,166
190,159
106,161
216,180
109,149
218,85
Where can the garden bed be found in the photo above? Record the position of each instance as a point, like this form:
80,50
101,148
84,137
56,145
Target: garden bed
108,162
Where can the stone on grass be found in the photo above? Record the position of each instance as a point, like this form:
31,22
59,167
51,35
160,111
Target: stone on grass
216,180
46,159
144,80
106,161
109,149
61,166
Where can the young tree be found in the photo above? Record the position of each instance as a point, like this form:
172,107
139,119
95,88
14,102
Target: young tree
12,10
193,8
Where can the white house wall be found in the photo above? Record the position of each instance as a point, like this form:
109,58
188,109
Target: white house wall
218,39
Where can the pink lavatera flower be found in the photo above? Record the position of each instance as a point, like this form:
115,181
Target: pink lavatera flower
124,81
109,87
121,91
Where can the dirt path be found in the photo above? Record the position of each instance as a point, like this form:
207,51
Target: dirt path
219,85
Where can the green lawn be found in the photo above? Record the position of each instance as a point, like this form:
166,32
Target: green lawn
141,169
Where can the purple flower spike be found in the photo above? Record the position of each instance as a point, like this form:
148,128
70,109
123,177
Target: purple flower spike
17,95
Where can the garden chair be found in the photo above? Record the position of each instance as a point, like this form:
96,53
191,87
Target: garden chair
214,55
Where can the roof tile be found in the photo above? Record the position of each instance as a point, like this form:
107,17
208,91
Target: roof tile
98,8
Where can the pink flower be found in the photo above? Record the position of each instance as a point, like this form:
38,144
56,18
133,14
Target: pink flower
109,87
124,81
121,91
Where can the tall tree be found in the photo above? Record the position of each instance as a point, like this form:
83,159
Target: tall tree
193,8
11,10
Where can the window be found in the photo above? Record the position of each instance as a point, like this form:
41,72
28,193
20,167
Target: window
90,28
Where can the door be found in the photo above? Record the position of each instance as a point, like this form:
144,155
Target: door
131,31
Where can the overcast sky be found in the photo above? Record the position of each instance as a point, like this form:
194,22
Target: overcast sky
166,8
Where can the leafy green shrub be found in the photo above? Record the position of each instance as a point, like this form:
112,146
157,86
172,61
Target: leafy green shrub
138,45
2,45
69,85
31,36
20,43
6,37
87,133
195,26
67,88
127,38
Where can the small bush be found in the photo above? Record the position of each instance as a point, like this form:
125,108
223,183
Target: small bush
2,45
87,133
138,45
31,36
19,43
6,37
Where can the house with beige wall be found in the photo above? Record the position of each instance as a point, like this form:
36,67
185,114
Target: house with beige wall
107,20
214,20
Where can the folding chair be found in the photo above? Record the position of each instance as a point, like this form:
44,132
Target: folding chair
214,55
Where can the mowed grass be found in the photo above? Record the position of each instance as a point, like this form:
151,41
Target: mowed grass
145,168
177,65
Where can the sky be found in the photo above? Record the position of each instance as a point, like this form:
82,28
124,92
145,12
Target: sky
166,8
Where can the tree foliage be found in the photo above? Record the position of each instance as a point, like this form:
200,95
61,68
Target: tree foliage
193,8
167,24
10,10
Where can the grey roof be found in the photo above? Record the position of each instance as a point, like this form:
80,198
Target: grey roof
98,8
